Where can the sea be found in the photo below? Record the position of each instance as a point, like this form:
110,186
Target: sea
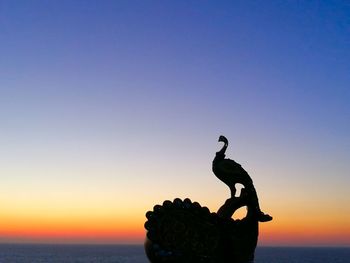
19,253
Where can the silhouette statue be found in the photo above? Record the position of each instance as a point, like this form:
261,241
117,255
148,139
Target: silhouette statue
231,173
182,231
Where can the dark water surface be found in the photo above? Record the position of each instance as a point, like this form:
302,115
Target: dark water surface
302,255
135,254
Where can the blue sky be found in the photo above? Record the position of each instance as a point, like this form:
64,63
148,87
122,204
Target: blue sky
118,88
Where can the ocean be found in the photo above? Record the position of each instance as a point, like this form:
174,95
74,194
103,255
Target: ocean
135,254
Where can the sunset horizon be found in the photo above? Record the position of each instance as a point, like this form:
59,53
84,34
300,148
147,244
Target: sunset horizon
109,108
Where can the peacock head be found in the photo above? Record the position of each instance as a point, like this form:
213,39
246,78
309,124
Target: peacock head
223,139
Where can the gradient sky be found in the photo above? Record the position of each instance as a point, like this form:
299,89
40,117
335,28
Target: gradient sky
110,107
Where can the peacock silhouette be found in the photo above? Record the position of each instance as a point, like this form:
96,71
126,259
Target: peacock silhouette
232,173
182,231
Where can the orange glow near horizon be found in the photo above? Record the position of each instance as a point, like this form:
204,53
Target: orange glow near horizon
112,220
88,231
130,231
102,211
78,227
289,233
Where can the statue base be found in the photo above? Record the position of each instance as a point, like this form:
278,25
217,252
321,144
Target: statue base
184,231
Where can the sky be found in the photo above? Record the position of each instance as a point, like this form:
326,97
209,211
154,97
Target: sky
110,107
